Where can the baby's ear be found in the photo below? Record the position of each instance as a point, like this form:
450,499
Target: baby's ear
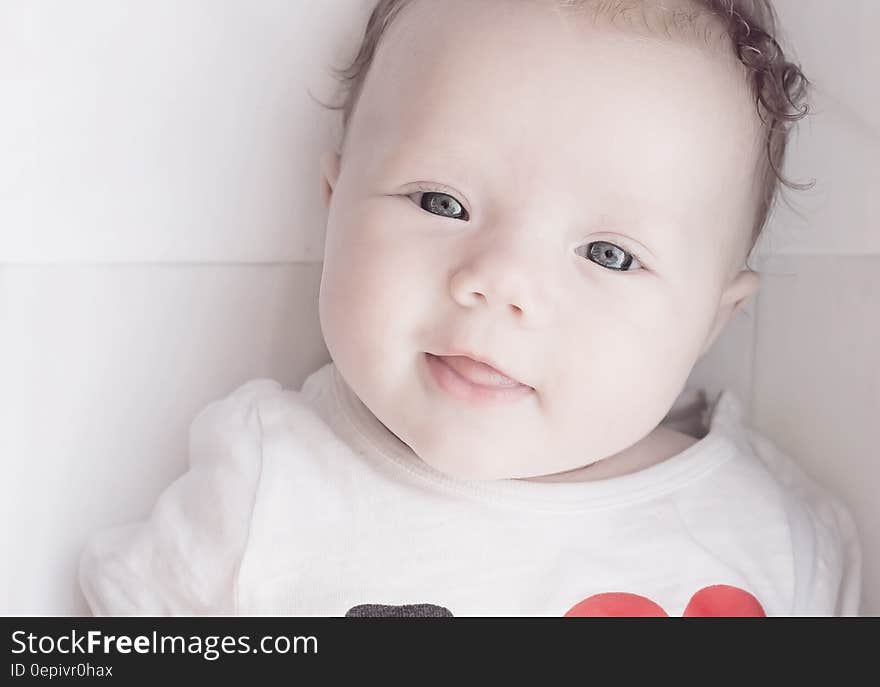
329,174
740,290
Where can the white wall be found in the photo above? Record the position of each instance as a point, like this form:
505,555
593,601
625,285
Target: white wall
161,239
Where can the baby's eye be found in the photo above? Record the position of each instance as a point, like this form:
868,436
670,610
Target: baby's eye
611,256
607,254
441,204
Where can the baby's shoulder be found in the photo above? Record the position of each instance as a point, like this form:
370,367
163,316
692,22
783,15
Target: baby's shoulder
247,408
228,434
235,412
761,475
240,401
825,544
764,501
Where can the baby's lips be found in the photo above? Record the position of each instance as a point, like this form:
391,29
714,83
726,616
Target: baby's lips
477,372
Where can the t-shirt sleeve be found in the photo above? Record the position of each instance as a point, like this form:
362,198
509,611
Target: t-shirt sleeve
827,557
183,559
825,547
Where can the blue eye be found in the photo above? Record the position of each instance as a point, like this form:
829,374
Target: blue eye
611,256
606,254
442,204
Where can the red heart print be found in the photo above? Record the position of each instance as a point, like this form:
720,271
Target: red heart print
717,600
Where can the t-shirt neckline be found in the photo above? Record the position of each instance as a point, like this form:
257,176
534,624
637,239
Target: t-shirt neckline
695,461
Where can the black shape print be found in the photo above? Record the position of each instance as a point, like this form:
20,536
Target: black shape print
405,611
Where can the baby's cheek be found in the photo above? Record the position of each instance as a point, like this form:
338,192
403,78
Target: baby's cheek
351,307
346,305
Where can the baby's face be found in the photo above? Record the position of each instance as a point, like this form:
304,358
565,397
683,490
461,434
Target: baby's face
503,168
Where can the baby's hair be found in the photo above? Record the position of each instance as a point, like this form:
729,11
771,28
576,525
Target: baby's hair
750,25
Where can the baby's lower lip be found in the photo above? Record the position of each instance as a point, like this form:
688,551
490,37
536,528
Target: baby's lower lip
463,389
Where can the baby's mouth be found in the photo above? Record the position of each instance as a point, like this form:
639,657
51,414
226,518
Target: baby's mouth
473,381
477,372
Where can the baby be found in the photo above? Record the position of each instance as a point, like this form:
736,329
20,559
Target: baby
537,222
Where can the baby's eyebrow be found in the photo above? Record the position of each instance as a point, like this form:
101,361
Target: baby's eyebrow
643,226
415,157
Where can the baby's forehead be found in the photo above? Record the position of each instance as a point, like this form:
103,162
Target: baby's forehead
682,22
505,40
530,68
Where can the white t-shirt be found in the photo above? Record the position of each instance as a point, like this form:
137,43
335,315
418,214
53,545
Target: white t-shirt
304,503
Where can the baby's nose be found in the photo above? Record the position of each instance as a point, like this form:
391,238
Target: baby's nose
505,277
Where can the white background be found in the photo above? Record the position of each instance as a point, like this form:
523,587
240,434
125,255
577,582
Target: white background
161,237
